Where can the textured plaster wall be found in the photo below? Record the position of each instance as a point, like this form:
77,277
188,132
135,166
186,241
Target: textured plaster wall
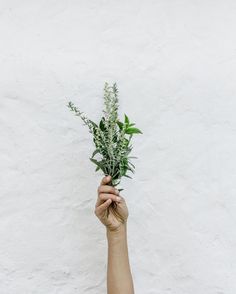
175,65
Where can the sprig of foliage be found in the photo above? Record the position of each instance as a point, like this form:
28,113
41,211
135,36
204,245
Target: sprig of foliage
112,138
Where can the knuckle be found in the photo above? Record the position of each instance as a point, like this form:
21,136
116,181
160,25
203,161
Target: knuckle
113,197
113,190
122,200
99,189
102,196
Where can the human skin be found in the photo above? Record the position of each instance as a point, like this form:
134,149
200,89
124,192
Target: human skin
112,211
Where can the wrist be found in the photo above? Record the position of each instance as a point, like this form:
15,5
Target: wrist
117,233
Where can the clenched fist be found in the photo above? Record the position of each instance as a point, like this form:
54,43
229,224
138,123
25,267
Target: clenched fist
110,208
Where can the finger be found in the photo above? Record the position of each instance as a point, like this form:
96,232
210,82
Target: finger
108,189
122,201
106,180
113,197
103,197
101,209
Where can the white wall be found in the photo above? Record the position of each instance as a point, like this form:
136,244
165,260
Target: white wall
175,63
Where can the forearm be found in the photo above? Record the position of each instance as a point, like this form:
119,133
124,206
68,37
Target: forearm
119,278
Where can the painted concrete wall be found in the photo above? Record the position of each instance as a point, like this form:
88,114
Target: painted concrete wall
175,65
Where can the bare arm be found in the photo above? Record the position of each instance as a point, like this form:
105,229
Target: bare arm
119,279
112,211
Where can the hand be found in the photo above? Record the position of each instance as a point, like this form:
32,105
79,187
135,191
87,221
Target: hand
110,208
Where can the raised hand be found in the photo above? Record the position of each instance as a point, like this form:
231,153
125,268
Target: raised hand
110,208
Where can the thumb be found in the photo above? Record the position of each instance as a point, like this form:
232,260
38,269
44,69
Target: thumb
106,180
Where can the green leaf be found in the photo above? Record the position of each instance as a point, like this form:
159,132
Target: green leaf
132,164
128,150
93,123
126,119
95,152
126,142
132,170
120,124
123,169
124,161
115,183
102,124
95,142
98,163
115,138
97,168
127,176
133,131
131,125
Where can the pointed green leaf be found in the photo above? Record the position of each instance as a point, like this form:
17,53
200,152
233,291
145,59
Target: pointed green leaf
93,123
114,184
95,152
132,170
127,176
102,124
98,163
126,119
133,131
132,164
120,124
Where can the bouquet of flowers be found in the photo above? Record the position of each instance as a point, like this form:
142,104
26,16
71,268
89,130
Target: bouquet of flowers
111,137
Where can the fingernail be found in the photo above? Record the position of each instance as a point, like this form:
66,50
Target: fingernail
117,192
118,198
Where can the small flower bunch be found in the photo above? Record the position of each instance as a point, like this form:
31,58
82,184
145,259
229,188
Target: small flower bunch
112,138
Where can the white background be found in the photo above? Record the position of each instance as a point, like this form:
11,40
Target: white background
175,64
